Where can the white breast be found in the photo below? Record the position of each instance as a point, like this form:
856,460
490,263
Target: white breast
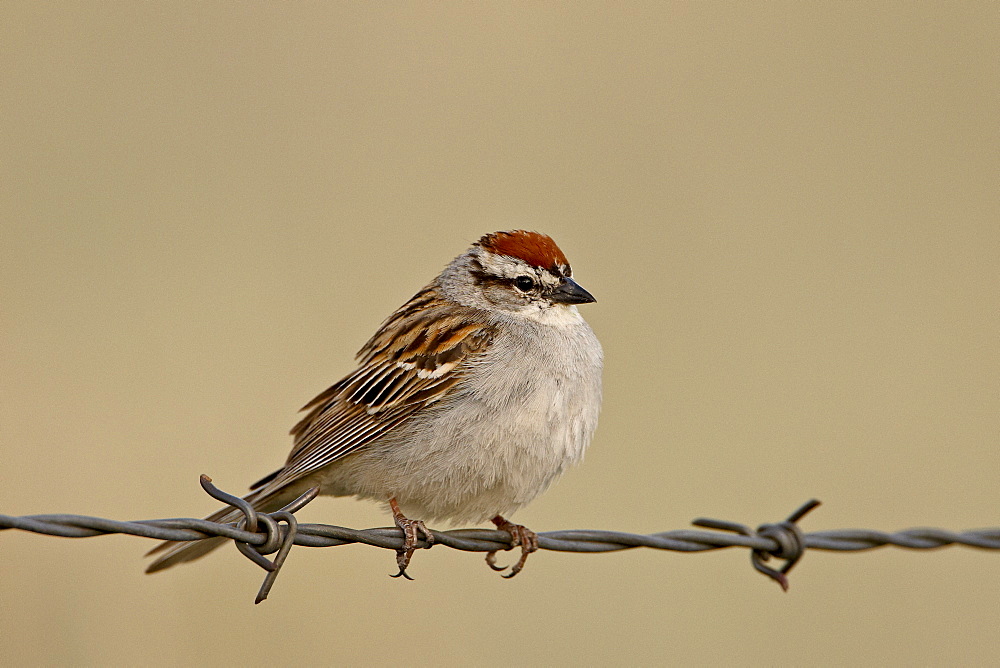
525,412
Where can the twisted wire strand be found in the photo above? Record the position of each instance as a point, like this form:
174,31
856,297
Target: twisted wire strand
486,540
783,541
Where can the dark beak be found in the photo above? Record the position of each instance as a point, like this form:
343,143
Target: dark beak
569,292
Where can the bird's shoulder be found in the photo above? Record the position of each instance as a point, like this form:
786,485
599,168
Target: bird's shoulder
418,354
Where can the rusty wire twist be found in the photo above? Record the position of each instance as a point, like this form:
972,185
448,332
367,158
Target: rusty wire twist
259,534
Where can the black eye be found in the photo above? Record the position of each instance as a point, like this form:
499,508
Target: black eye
524,283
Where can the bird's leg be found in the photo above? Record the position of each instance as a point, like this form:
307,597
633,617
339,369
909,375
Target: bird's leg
410,529
523,536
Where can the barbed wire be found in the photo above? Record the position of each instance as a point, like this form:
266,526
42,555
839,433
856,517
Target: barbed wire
783,541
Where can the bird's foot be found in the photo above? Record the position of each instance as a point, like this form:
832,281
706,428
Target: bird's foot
411,537
520,535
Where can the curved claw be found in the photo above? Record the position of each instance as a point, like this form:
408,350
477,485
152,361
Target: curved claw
519,536
402,573
491,561
520,563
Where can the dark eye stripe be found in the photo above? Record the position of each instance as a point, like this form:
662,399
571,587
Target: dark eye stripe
484,279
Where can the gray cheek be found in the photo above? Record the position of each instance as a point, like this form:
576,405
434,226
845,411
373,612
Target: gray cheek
503,297
494,295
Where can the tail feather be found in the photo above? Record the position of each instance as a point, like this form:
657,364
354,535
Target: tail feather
177,553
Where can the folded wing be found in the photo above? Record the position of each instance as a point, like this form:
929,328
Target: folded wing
418,355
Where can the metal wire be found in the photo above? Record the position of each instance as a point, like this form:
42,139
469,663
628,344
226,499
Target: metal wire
783,541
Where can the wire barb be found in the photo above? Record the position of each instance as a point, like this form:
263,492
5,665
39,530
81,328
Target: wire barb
258,534
276,541
789,542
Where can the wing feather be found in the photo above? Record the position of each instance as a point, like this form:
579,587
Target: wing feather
415,359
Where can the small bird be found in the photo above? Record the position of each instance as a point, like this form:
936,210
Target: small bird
468,402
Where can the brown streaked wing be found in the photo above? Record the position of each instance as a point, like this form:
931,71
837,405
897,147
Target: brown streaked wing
413,360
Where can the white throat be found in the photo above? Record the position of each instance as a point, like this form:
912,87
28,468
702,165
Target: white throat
560,315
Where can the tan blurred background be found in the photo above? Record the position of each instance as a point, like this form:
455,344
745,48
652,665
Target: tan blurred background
788,212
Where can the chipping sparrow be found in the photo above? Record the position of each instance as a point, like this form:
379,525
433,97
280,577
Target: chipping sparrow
468,402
